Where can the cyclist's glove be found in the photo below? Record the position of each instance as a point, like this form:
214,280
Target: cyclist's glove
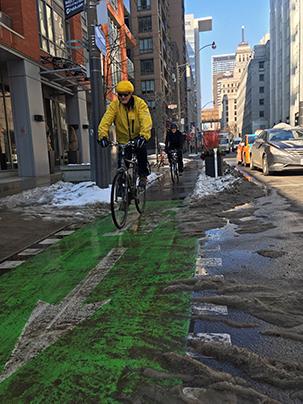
139,142
103,142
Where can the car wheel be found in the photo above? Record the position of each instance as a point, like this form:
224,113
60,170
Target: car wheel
251,164
265,167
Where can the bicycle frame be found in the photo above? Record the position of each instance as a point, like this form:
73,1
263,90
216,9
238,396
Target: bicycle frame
129,166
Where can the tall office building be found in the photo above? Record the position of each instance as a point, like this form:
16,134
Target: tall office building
286,69
159,29
193,27
228,84
253,103
221,64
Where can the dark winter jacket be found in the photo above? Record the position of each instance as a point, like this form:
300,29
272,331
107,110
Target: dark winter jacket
174,140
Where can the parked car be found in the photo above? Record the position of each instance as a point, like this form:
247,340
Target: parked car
243,150
278,150
224,145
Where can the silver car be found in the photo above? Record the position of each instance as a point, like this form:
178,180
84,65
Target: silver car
278,150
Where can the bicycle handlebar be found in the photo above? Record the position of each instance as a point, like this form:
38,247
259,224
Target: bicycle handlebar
130,143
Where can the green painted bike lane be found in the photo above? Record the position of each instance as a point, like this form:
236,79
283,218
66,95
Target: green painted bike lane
101,357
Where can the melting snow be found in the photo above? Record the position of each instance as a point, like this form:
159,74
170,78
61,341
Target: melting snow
63,194
209,185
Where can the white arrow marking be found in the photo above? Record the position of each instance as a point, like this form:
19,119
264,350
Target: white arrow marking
48,322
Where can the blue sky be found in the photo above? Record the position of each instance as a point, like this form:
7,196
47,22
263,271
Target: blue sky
228,18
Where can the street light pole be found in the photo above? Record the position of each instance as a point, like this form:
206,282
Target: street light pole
178,93
99,166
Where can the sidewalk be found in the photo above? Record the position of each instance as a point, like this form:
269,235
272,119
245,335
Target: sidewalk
11,183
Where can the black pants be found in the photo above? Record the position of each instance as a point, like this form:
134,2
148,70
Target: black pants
141,154
180,159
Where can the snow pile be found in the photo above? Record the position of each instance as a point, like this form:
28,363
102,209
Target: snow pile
209,185
84,193
59,194
63,194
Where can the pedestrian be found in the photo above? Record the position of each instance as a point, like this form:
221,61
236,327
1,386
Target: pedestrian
174,141
132,119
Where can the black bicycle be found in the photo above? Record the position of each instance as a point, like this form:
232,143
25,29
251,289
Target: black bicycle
173,162
126,187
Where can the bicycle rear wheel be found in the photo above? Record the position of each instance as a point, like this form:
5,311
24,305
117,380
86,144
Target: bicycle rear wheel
119,199
140,197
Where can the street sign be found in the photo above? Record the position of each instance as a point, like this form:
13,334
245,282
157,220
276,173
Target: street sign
73,7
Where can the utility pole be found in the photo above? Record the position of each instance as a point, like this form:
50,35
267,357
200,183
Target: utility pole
99,157
178,94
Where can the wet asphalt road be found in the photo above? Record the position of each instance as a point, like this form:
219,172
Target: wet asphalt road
288,184
242,263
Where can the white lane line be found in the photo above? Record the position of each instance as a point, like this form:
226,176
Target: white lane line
210,337
65,233
213,249
10,264
30,251
200,269
211,309
49,241
202,251
209,262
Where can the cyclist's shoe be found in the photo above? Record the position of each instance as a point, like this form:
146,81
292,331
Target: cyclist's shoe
142,182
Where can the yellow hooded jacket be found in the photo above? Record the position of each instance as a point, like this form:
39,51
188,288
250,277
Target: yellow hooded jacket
129,123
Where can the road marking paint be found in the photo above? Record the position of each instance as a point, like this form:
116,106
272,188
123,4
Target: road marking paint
49,241
213,249
30,251
214,236
10,264
209,262
48,323
213,309
65,233
202,251
210,337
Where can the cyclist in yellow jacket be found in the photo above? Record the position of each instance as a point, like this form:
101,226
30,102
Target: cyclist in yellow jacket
132,119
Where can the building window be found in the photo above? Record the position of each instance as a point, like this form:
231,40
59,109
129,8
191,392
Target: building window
114,3
147,66
53,31
147,86
146,45
261,114
145,24
143,5
261,90
261,77
261,65
261,101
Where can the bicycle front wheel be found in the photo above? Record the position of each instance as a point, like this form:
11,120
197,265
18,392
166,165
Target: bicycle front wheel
140,198
174,173
119,200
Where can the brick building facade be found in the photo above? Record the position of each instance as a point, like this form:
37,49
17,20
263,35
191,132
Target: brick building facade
44,104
